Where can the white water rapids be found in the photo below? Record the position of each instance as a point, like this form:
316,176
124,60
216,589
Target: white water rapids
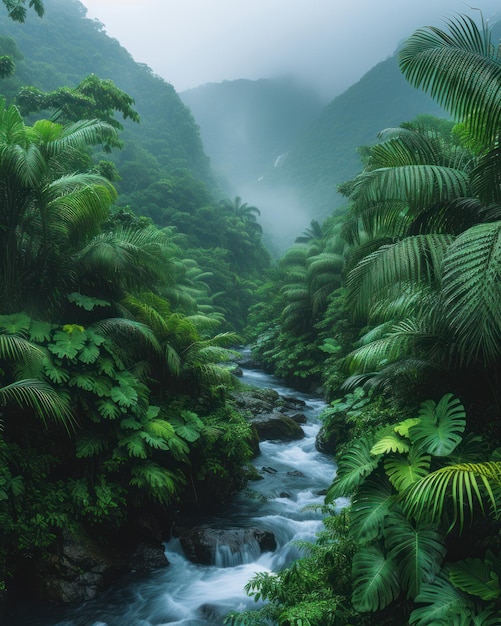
200,595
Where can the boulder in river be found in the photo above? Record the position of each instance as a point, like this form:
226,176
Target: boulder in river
276,426
274,417
225,547
82,567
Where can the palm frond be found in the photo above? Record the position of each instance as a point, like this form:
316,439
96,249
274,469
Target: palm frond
464,485
472,291
46,401
461,70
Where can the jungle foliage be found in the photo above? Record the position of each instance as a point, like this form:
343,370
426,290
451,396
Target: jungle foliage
414,353
117,322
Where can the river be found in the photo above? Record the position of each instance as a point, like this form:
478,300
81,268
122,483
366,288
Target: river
199,595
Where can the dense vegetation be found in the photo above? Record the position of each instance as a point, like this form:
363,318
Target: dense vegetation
120,296
399,298
124,275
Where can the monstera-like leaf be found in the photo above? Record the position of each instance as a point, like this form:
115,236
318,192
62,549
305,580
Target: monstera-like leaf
370,507
404,469
353,466
375,579
440,427
417,550
476,577
390,442
444,605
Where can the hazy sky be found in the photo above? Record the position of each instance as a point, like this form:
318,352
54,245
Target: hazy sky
328,43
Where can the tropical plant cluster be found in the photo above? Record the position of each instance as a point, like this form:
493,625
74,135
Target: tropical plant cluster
408,314
115,331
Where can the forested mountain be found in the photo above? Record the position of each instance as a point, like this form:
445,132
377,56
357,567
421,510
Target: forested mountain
167,137
247,125
279,134
326,154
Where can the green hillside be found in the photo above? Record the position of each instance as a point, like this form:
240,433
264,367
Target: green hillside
167,137
326,154
246,125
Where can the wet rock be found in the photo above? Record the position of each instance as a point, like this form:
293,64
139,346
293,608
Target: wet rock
299,418
277,427
295,473
79,571
82,567
202,543
326,440
293,402
272,416
147,557
269,470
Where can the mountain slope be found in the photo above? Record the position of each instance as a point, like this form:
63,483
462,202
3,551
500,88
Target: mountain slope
327,154
167,137
246,125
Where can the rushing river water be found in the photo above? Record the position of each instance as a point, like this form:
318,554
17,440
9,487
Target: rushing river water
200,595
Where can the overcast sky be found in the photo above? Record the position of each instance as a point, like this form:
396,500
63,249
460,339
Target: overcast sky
328,43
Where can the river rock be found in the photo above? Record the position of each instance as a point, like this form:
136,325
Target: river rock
274,417
277,427
82,567
202,543
326,440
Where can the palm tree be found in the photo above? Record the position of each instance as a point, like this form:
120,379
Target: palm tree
245,212
427,227
45,212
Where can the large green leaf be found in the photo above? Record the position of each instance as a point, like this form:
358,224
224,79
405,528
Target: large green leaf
440,427
390,442
466,486
444,604
418,552
67,344
46,401
353,466
461,69
158,481
404,469
124,395
86,302
375,579
187,425
476,577
370,507
472,291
